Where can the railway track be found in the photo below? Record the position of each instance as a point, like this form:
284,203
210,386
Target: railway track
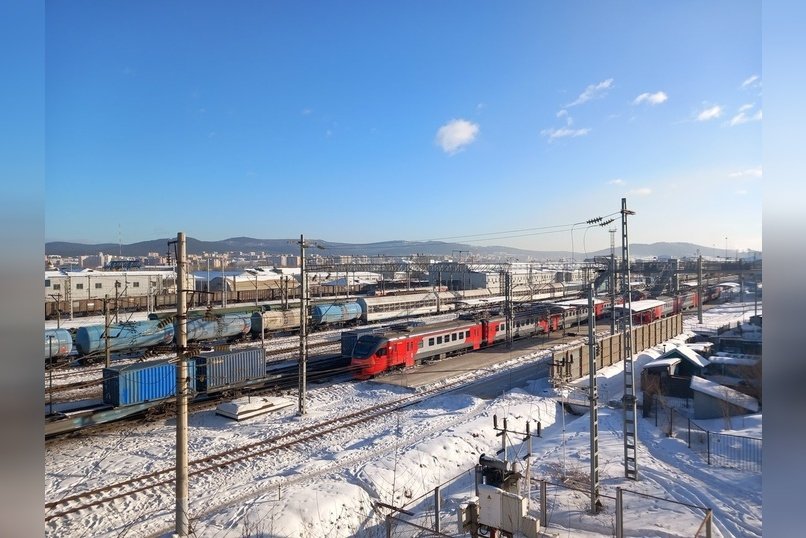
71,379
209,465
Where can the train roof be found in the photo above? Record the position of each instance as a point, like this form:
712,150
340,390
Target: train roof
481,301
641,306
95,272
424,330
579,302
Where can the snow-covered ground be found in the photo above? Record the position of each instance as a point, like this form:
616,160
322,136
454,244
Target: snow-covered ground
330,489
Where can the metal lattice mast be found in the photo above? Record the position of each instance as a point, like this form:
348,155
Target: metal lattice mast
612,281
593,397
508,306
303,327
628,400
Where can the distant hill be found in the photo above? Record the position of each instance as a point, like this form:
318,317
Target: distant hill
385,248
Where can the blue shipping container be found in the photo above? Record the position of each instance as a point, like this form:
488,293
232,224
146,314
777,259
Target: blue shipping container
143,382
224,369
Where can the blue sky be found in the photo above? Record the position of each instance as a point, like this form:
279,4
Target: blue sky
370,121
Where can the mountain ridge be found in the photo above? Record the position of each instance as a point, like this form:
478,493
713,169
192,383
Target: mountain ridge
377,249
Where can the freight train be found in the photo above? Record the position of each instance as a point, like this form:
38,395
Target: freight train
156,331
91,340
142,335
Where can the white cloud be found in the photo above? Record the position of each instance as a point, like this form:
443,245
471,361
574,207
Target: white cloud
480,106
743,117
306,111
617,181
455,135
651,98
643,191
751,81
750,172
563,132
562,113
593,91
710,113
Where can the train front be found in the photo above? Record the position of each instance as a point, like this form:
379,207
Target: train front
370,356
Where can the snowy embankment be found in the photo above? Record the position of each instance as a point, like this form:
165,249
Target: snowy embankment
331,488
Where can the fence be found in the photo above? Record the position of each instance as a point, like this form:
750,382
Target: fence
559,508
573,363
725,450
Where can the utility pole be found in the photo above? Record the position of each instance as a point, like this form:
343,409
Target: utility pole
223,285
755,291
182,506
303,326
699,289
508,306
593,397
612,281
50,372
58,297
106,330
630,414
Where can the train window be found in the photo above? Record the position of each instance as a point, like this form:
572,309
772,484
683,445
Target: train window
467,334
135,284
98,285
57,286
47,282
501,327
420,344
79,286
430,341
453,337
382,352
439,339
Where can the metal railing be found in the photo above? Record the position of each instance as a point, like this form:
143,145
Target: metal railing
722,449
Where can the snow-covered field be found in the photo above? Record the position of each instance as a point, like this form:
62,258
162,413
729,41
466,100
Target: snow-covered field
329,489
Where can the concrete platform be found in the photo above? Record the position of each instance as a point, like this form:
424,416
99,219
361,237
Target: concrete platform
426,374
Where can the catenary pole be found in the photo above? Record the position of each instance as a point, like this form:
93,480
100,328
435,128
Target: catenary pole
593,396
303,327
628,399
106,329
182,506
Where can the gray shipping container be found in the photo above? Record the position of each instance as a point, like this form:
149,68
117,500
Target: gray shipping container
142,382
216,371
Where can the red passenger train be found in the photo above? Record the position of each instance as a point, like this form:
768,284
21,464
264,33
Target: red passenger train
403,346
400,346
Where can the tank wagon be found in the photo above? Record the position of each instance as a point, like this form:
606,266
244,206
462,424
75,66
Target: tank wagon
124,336
58,343
227,326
